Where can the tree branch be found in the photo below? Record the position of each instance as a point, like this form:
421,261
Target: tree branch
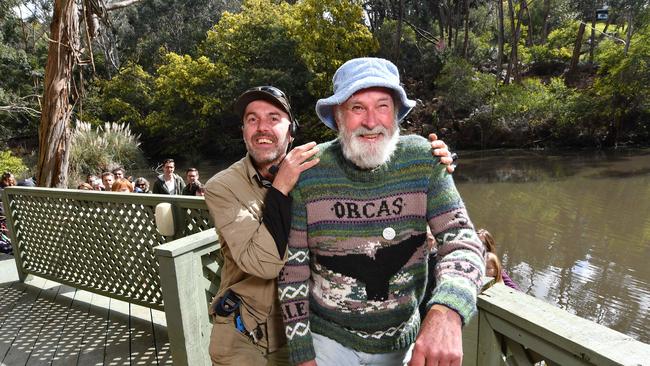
13,108
120,4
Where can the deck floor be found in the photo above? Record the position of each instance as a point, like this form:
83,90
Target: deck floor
45,323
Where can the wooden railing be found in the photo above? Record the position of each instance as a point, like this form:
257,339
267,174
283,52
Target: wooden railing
108,243
97,241
513,328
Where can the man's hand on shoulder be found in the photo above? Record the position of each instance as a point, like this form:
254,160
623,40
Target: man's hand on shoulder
308,363
440,339
293,164
441,150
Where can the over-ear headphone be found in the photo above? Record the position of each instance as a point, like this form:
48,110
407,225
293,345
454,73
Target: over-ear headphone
293,128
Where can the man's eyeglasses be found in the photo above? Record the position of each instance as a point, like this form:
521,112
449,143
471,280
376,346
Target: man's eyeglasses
141,185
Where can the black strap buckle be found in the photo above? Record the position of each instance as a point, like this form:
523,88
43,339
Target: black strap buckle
227,304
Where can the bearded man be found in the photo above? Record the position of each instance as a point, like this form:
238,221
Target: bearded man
358,254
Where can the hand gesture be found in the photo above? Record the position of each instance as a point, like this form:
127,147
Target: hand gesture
293,164
441,150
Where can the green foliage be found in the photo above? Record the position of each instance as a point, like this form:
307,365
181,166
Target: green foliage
625,85
175,26
328,33
126,98
564,36
256,47
22,60
11,163
95,150
542,54
464,88
185,108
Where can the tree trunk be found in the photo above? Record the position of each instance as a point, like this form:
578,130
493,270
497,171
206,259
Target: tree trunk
466,21
398,35
54,131
514,41
545,26
441,21
531,34
592,38
628,35
500,36
576,49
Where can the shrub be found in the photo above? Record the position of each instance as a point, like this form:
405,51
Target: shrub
93,151
464,88
13,164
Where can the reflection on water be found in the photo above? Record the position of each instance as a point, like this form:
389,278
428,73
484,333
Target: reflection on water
571,228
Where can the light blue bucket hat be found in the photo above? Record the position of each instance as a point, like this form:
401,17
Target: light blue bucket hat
363,73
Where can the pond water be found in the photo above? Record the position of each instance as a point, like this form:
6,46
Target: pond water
572,228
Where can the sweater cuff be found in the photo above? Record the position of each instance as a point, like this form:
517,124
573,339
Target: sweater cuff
301,350
456,296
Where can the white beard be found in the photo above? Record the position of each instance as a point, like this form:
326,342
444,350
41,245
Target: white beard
368,154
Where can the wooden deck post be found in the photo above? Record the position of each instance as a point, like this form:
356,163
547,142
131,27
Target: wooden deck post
185,295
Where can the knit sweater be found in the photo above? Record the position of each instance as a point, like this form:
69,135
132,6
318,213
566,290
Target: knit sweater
357,265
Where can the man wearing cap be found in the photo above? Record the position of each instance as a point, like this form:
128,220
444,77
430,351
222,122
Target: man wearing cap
250,206
357,251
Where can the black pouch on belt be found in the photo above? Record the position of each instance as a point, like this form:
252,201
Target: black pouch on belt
227,304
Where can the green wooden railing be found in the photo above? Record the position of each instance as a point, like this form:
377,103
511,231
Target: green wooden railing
98,241
108,243
513,328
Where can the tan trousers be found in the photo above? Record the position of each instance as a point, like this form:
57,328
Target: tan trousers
230,347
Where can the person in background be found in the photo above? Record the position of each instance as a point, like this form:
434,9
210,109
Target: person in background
7,180
27,182
168,182
122,185
357,250
119,173
493,267
192,182
107,180
194,189
141,185
200,191
85,186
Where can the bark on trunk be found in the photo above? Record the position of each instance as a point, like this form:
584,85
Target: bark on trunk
576,49
54,130
530,40
398,35
628,35
545,25
592,37
500,36
466,23
514,42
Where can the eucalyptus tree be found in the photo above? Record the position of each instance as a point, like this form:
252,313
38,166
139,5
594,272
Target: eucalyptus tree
66,52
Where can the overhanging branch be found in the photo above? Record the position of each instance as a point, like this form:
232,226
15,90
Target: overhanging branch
120,4
13,108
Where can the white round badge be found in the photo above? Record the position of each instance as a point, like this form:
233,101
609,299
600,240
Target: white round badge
389,233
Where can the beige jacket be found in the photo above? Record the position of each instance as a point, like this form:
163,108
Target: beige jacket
251,260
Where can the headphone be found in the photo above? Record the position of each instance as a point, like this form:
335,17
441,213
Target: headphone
293,128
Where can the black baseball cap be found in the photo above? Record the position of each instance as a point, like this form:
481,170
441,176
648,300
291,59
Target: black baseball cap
270,94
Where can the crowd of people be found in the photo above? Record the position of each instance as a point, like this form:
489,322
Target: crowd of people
166,183
116,181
